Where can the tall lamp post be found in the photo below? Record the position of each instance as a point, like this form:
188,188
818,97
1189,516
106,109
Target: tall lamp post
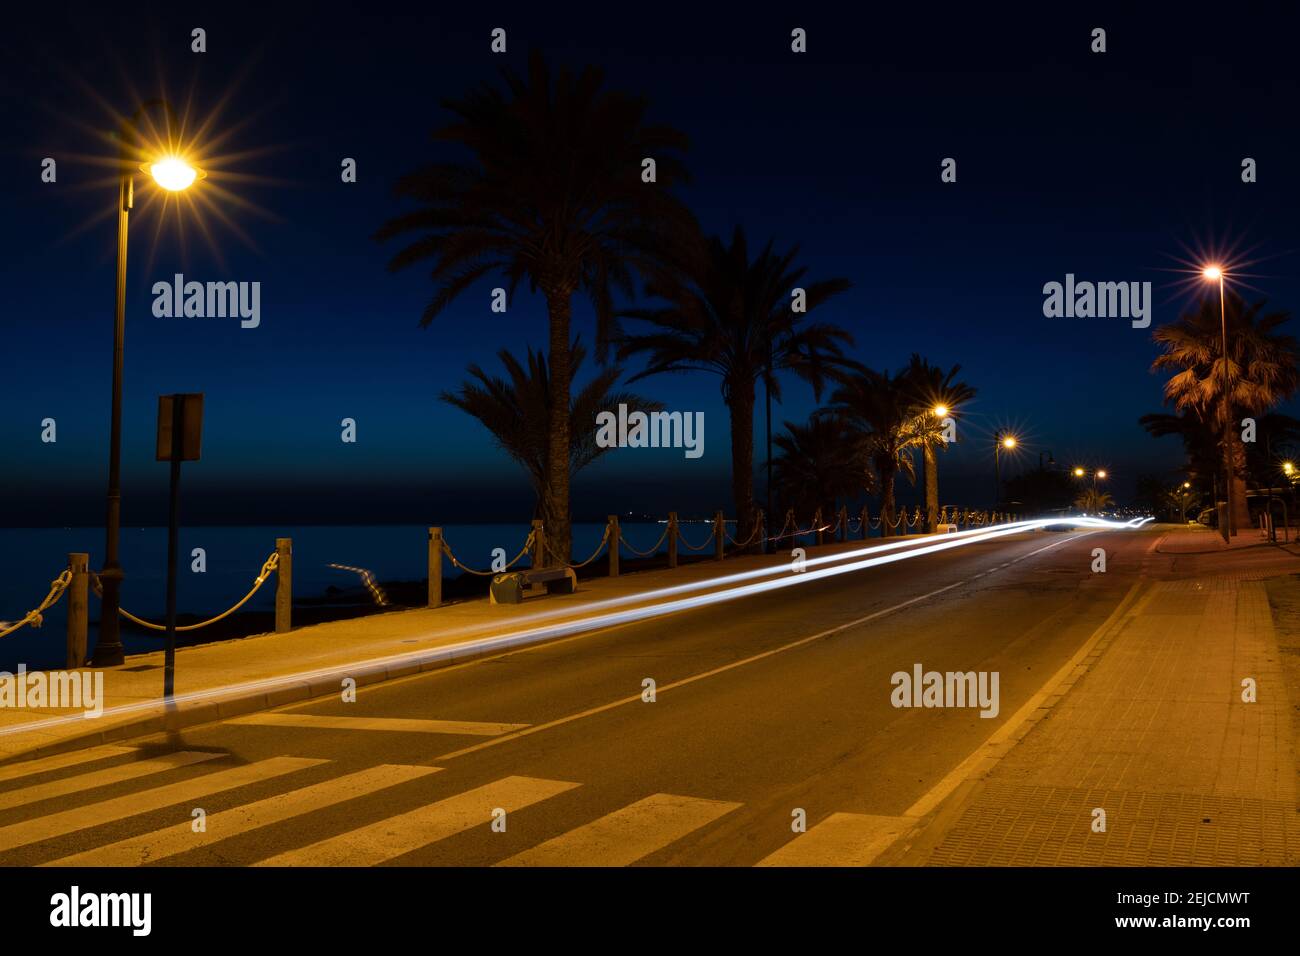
1098,474
173,174
1228,527
1003,441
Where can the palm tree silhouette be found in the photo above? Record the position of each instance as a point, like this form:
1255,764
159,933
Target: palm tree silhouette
732,315
552,193
1094,501
932,387
516,410
818,463
1261,373
881,410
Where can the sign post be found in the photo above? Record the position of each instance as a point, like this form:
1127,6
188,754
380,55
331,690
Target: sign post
180,433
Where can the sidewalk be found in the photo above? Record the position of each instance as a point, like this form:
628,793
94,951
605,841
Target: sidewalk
228,678
1152,730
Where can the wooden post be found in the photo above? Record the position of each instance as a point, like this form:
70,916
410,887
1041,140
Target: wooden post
866,522
719,534
672,539
817,523
435,567
613,545
78,610
284,585
538,556
844,522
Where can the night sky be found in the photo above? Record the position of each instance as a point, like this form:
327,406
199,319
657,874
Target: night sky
1110,166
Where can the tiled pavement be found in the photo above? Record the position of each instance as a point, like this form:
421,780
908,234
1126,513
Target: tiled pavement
1155,733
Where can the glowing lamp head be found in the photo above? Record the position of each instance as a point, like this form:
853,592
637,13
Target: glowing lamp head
1078,472
941,411
1102,473
1288,467
174,174
1187,484
1212,273
1009,442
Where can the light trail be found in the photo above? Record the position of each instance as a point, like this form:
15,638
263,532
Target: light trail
483,646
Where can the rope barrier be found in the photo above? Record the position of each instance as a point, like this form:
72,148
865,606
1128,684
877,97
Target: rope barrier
595,554
753,536
268,566
35,617
528,543
643,554
690,547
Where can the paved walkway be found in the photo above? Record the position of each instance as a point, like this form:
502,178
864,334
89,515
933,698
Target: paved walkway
1151,729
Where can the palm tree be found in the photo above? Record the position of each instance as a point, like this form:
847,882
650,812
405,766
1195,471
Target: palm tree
1200,443
1094,501
818,463
732,315
933,387
1261,373
881,410
516,410
553,194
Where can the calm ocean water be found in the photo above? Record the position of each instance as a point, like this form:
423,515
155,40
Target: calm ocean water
30,558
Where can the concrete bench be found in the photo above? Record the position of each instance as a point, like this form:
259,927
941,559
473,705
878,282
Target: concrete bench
509,588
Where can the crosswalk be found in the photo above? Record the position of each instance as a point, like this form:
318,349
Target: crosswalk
620,837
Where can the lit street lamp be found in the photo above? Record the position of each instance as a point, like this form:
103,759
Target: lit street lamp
1213,273
1003,441
173,174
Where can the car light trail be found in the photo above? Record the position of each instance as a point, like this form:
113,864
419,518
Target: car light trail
483,646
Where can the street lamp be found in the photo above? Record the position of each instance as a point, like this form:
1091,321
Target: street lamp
1003,441
1213,273
173,174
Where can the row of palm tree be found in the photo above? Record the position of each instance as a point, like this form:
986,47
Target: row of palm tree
553,194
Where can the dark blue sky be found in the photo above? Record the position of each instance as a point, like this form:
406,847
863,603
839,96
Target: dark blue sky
1108,166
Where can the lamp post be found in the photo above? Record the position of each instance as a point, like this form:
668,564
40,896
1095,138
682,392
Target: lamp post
1003,441
1097,474
1215,274
171,173
931,462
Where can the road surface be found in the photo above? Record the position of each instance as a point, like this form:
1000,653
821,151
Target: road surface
767,711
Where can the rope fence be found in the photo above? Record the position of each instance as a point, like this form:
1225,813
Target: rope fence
268,567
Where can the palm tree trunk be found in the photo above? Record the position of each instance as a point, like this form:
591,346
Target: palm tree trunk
555,503
886,502
931,488
740,402
1240,506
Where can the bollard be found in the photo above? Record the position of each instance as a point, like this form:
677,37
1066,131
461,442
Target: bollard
844,523
817,523
284,585
613,545
719,534
866,523
435,567
78,610
538,557
672,539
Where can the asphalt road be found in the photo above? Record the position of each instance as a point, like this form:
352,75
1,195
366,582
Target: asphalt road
756,717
